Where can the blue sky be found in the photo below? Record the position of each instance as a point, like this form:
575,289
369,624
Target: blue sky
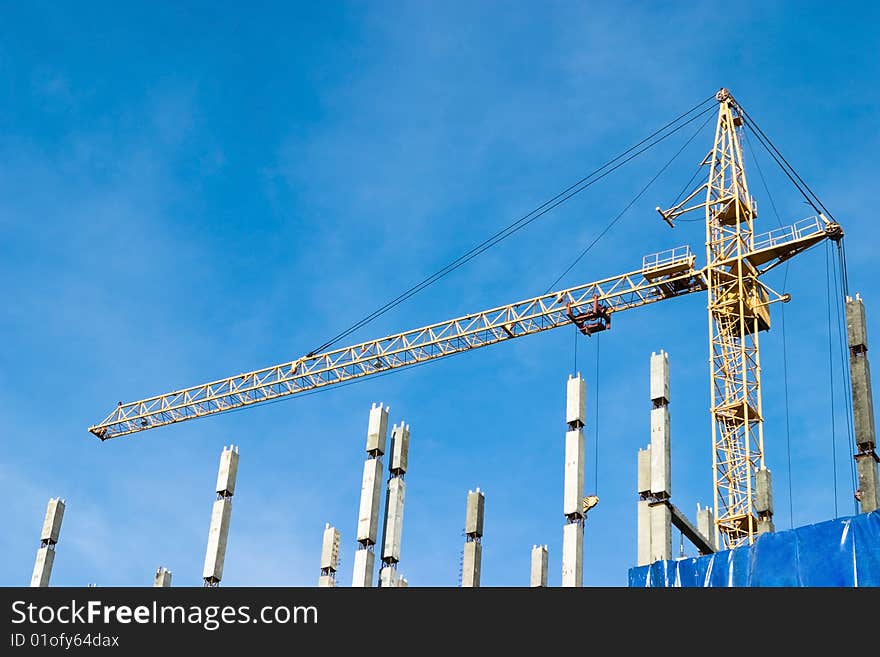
194,191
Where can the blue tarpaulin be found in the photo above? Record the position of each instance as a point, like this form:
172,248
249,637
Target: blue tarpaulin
840,552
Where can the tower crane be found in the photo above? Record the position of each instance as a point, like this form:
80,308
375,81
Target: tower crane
738,306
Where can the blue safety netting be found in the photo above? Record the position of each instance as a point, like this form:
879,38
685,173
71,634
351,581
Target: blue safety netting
840,552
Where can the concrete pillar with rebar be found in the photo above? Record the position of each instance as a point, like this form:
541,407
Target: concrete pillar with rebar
472,558
371,491
868,492
162,578
661,458
221,513
48,540
764,501
392,531
573,491
538,573
329,556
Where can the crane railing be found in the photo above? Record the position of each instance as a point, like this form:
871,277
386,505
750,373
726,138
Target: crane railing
786,234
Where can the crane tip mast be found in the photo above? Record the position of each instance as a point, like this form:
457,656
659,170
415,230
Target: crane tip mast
737,257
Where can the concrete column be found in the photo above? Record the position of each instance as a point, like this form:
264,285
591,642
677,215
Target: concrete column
706,525
221,513
393,520
576,401
654,474
540,560
162,578
48,539
764,501
329,556
388,578
218,536
661,471
869,486
643,527
43,566
392,530
475,513
644,472
371,493
399,449
473,531
573,555
661,460
574,473
573,490
471,564
377,430
655,520
643,519
364,566
661,531
868,492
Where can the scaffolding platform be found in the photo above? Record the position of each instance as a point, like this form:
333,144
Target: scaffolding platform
844,552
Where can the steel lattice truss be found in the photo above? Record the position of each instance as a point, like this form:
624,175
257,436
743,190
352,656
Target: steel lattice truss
394,351
737,421
737,303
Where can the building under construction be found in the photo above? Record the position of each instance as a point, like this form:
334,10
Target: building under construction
735,535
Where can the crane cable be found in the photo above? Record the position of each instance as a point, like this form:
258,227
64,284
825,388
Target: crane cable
784,337
789,170
587,250
844,370
596,408
687,186
787,419
596,441
805,191
764,183
831,375
585,182
841,283
416,365
628,205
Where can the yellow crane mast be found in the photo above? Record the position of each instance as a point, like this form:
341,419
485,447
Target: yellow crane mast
738,304
738,312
